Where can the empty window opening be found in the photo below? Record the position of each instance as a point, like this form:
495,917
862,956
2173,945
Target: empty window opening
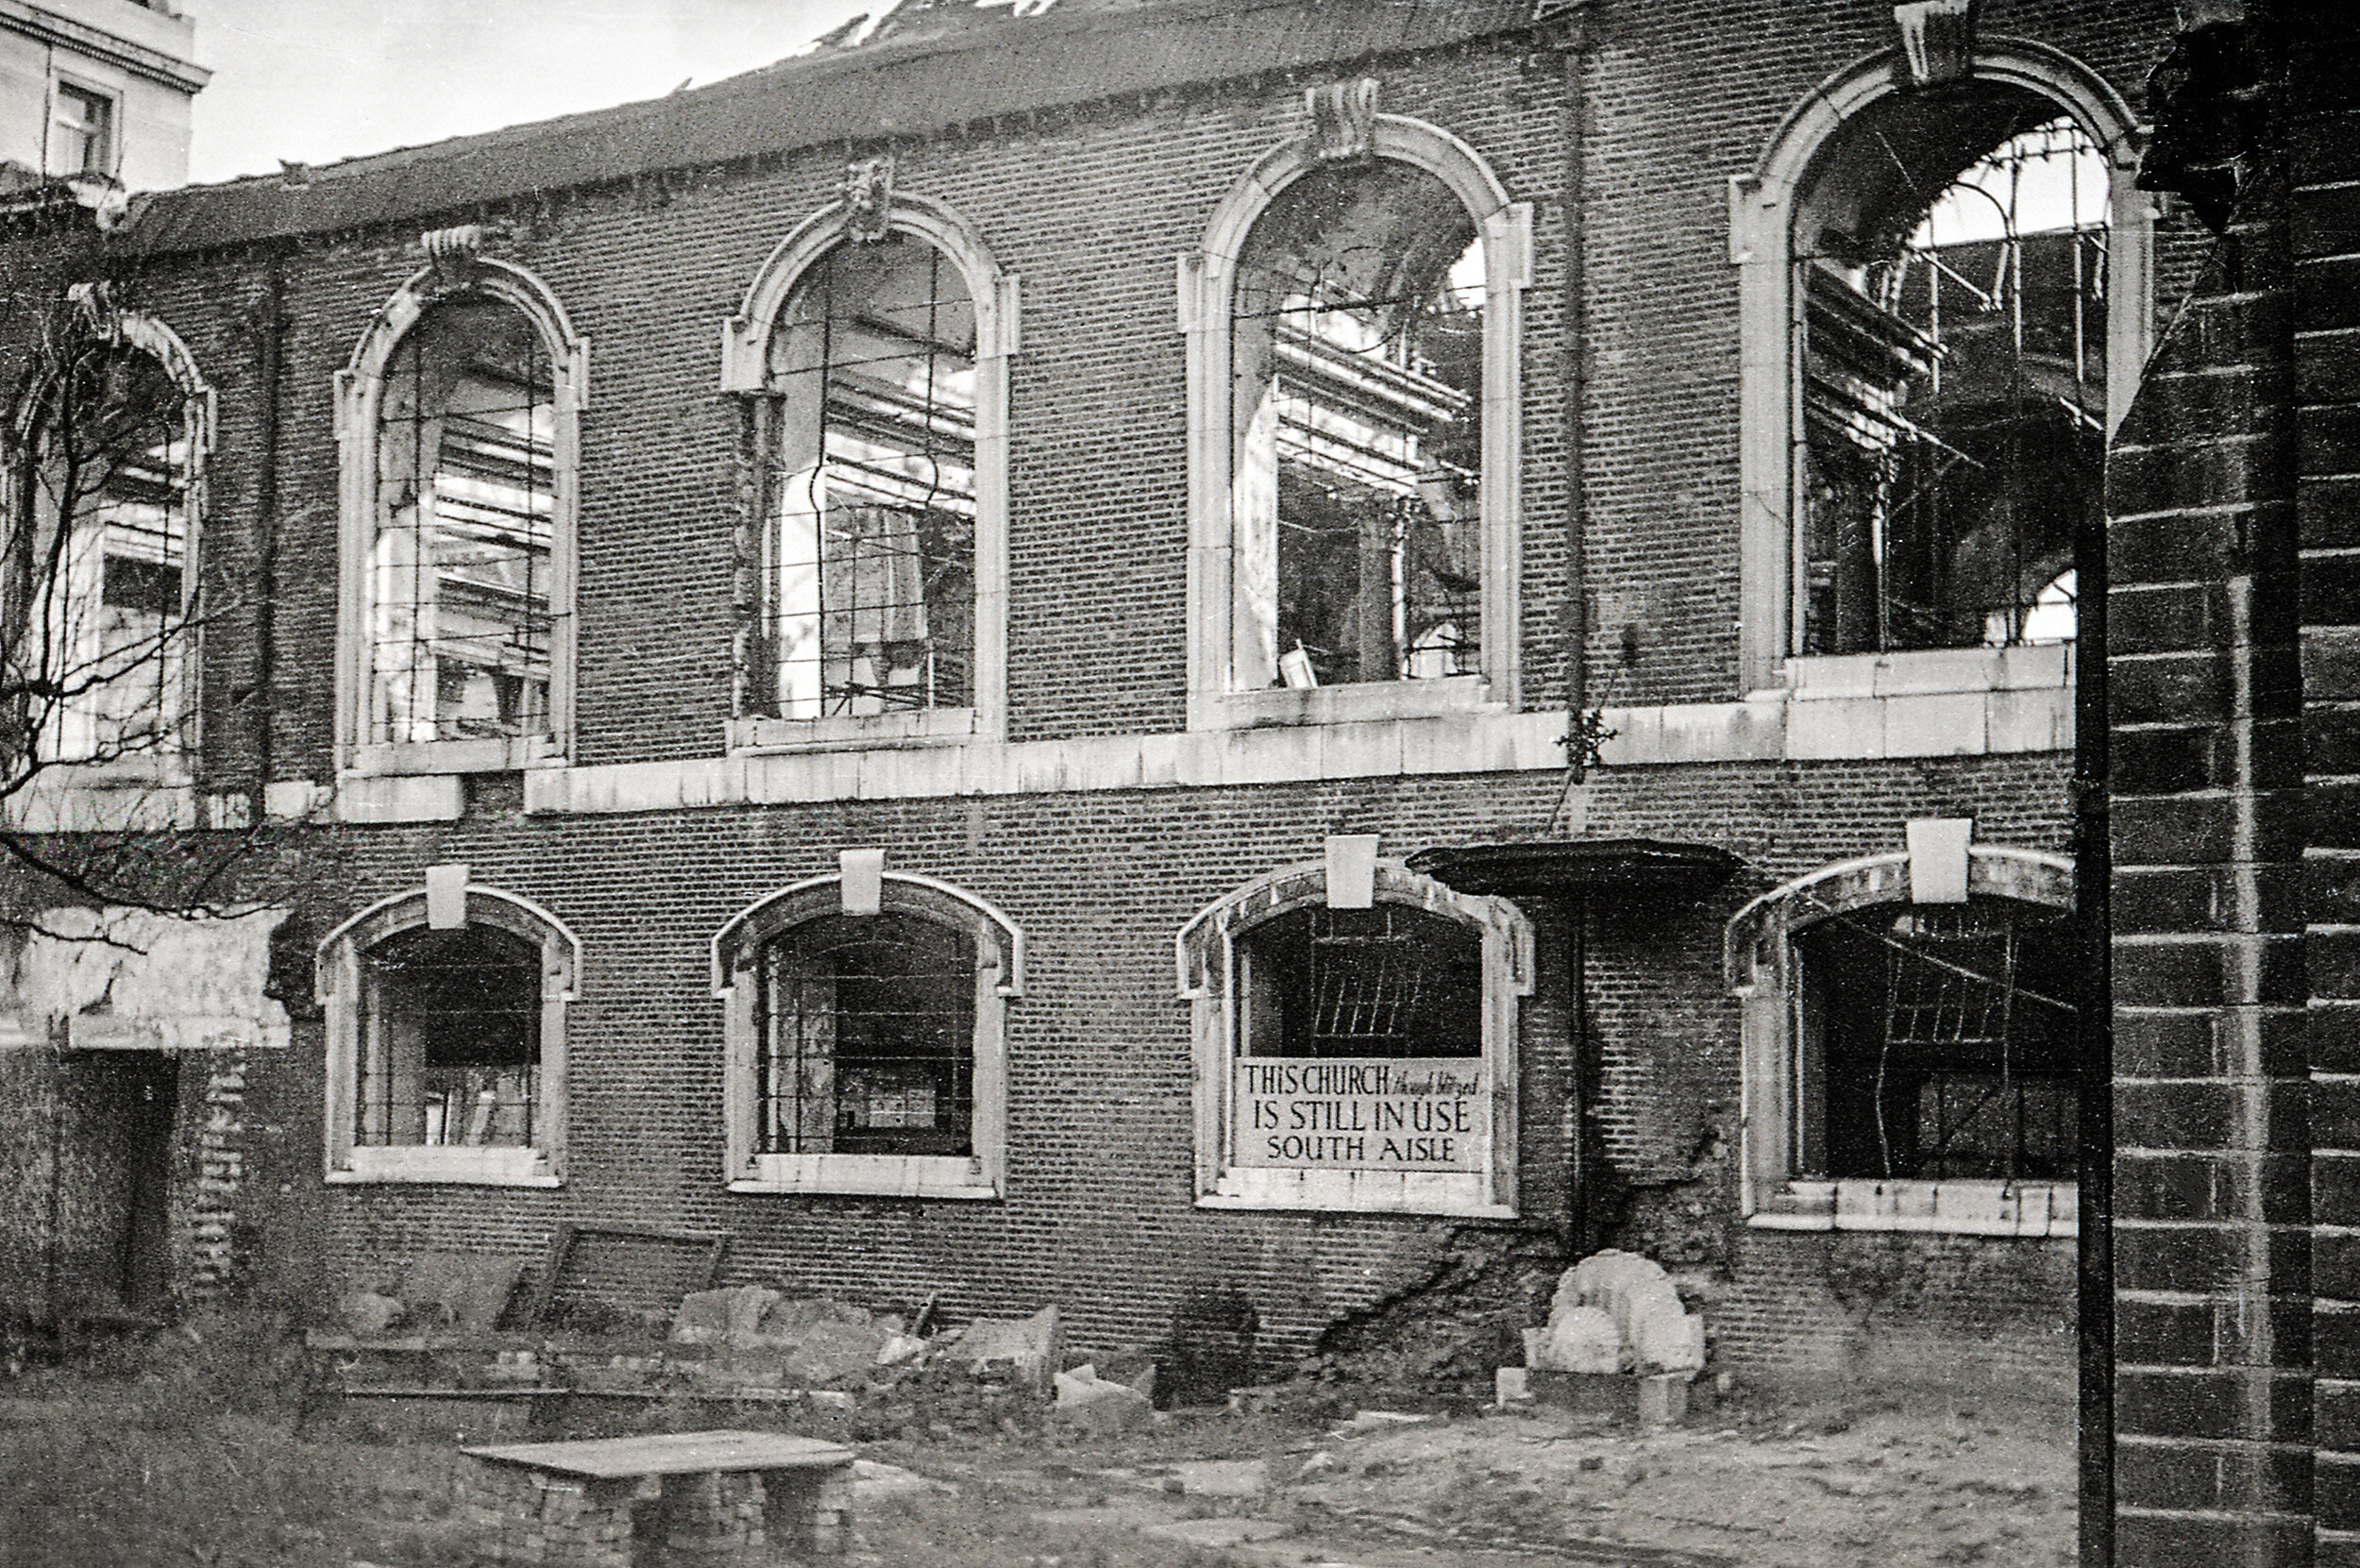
81,132
450,1050
870,569
1952,262
113,451
1356,373
868,1037
1939,1044
1389,982
459,616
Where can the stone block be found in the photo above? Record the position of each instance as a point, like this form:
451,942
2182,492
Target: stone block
1659,1399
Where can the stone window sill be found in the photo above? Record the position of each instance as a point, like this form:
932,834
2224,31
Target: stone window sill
946,1176
1953,1209
1357,1192
1364,702
391,1165
492,754
1925,671
923,727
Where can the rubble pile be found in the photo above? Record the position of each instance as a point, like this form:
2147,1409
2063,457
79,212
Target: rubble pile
744,1343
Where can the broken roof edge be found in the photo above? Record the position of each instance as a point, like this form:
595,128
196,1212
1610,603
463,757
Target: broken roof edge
872,92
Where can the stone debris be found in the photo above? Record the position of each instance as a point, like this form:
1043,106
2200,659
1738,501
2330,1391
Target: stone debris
366,1313
1091,1401
1576,1339
460,1291
1030,1345
1638,1298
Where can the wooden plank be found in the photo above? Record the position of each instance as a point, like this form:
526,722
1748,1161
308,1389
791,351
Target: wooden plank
671,1454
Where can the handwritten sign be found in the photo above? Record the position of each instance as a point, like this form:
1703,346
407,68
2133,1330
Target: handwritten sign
1354,1113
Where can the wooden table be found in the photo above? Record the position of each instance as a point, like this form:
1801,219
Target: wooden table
708,1497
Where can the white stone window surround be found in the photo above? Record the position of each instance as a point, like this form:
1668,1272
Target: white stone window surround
1763,212
167,767
998,978
1208,279
745,373
358,391
1764,972
1205,953
341,992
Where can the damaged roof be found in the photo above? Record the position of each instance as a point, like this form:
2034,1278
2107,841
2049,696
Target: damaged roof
920,71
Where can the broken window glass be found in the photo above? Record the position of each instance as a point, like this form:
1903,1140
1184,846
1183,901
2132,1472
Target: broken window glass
114,452
1356,373
870,465
1386,981
868,1037
1939,1042
460,614
1951,260
450,1046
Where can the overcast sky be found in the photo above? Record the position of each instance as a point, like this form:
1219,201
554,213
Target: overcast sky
315,80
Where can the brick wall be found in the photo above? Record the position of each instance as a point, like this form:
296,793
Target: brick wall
1090,206
2322,111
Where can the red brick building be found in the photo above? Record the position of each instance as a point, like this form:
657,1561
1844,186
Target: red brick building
954,658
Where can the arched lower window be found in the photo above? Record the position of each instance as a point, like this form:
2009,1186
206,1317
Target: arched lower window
459,420
866,1043
1357,1054
1912,1059
104,522
446,1011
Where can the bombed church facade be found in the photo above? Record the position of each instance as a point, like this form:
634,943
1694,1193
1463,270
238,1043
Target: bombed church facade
1248,668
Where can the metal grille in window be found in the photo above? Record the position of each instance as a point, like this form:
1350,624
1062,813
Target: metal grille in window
869,576
460,614
451,1040
1357,359
1390,981
868,1034
116,450
1949,1043
1954,394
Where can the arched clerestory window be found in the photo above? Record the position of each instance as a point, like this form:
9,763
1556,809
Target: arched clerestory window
871,358
104,509
1354,320
1944,302
459,418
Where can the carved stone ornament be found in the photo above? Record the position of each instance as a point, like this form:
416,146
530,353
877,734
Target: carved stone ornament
1343,116
869,199
1937,40
452,252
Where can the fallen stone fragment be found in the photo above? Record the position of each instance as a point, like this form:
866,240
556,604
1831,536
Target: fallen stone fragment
1084,1397
1029,1343
365,1312
1645,1308
722,1317
1578,1339
832,1352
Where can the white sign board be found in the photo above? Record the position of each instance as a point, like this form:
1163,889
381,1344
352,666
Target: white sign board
1354,1113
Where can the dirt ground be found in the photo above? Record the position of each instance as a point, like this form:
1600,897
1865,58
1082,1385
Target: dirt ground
185,1452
